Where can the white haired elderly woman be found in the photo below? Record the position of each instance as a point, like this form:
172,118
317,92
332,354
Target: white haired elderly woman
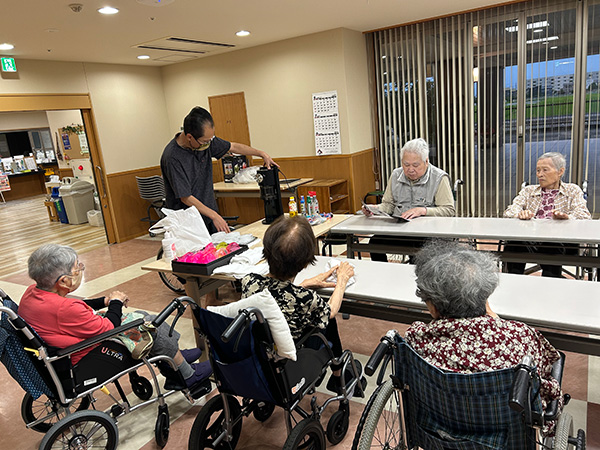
417,188
551,199
465,335
62,321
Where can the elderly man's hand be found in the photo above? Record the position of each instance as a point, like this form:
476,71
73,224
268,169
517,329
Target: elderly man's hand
414,212
366,211
559,215
525,214
268,161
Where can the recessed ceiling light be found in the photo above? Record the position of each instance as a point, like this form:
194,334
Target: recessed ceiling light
143,57
553,47
108,10
6,46
538,30
242,33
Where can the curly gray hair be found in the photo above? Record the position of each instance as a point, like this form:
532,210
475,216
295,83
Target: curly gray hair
455,279
418,146
49,262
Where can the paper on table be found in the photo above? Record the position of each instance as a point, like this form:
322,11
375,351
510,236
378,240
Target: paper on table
375,210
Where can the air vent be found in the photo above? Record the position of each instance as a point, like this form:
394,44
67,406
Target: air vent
183,45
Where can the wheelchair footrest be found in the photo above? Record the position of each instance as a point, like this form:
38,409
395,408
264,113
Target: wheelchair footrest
201,389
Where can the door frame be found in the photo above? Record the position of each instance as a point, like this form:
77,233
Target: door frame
62,102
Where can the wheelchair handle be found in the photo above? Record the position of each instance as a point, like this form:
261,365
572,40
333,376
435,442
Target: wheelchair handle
519,393
165,313
382,349
235,326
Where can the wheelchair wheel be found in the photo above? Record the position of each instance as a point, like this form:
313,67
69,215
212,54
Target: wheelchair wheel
308,434
263,411
337,427
383,425
564,429
32,409
363,417
142,387
210,424
82,430
170,280
161,429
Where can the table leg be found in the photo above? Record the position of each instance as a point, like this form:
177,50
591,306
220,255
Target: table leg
349,249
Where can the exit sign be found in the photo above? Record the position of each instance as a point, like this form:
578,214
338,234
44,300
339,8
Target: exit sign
8,64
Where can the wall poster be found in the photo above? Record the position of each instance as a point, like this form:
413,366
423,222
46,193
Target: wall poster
327,123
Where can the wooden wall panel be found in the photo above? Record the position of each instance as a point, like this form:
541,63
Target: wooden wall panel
356,168
362,178
128,207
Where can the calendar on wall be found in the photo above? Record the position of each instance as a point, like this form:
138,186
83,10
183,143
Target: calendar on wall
327,123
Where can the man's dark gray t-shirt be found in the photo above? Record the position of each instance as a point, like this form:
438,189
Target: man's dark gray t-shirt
189,172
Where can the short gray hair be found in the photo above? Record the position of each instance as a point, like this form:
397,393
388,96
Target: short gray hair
49,262
418,146
558,159
456,279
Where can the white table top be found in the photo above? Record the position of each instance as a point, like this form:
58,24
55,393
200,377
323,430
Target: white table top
560,304
575,231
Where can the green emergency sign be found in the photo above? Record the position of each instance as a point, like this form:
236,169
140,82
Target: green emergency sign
8,65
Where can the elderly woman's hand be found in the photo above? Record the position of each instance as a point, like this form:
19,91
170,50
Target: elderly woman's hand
525,214
319,281
345,271
559,215
117,295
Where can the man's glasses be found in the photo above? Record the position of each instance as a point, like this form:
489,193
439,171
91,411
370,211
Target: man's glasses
203,143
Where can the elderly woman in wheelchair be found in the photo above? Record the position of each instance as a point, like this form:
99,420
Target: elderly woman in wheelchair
275,346
468,379
75,351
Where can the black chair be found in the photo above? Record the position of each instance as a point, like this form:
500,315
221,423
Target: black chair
152,189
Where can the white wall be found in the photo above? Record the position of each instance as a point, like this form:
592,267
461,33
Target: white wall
22,121
278,80
127,101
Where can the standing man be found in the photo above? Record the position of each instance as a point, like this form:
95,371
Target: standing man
186,165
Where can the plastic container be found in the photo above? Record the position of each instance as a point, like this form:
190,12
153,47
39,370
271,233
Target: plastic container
293,207
302,206
95,218
78,198
60,206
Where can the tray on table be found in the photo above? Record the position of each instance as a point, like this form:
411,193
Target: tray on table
205,269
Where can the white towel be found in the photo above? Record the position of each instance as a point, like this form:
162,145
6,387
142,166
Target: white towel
251,256
234,236
333,278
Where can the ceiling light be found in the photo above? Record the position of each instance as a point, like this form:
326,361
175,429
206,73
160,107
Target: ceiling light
553,47
545,39
108,10
242,33
383,57
539,30
515,28
143,57
6,46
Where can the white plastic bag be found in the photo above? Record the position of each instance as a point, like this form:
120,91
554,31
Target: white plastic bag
247,175
187,231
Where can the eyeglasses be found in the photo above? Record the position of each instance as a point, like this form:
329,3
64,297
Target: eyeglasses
419,293
80,268
202,143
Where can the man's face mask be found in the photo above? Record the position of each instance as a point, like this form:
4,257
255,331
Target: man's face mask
202,145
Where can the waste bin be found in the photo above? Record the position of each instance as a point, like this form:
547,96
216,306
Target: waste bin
78,198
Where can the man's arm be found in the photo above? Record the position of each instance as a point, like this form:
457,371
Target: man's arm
444,201
219,222
243,149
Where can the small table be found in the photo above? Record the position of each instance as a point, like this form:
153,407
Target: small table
252,190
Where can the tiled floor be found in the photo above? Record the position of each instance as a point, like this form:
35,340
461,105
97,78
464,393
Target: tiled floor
118,267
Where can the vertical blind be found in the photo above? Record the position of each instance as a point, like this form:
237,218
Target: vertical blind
491,91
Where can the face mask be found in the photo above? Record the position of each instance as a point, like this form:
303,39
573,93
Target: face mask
202,147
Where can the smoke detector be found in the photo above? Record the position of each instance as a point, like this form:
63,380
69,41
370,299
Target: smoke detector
155,2
76,7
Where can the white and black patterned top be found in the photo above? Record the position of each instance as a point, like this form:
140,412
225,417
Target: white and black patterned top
302,308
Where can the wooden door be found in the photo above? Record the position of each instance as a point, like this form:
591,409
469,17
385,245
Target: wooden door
229,114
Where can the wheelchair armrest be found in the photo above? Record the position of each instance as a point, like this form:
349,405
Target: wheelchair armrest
552,412
97,339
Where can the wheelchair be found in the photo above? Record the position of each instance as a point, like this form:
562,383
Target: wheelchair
423,406
58,394
246,364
